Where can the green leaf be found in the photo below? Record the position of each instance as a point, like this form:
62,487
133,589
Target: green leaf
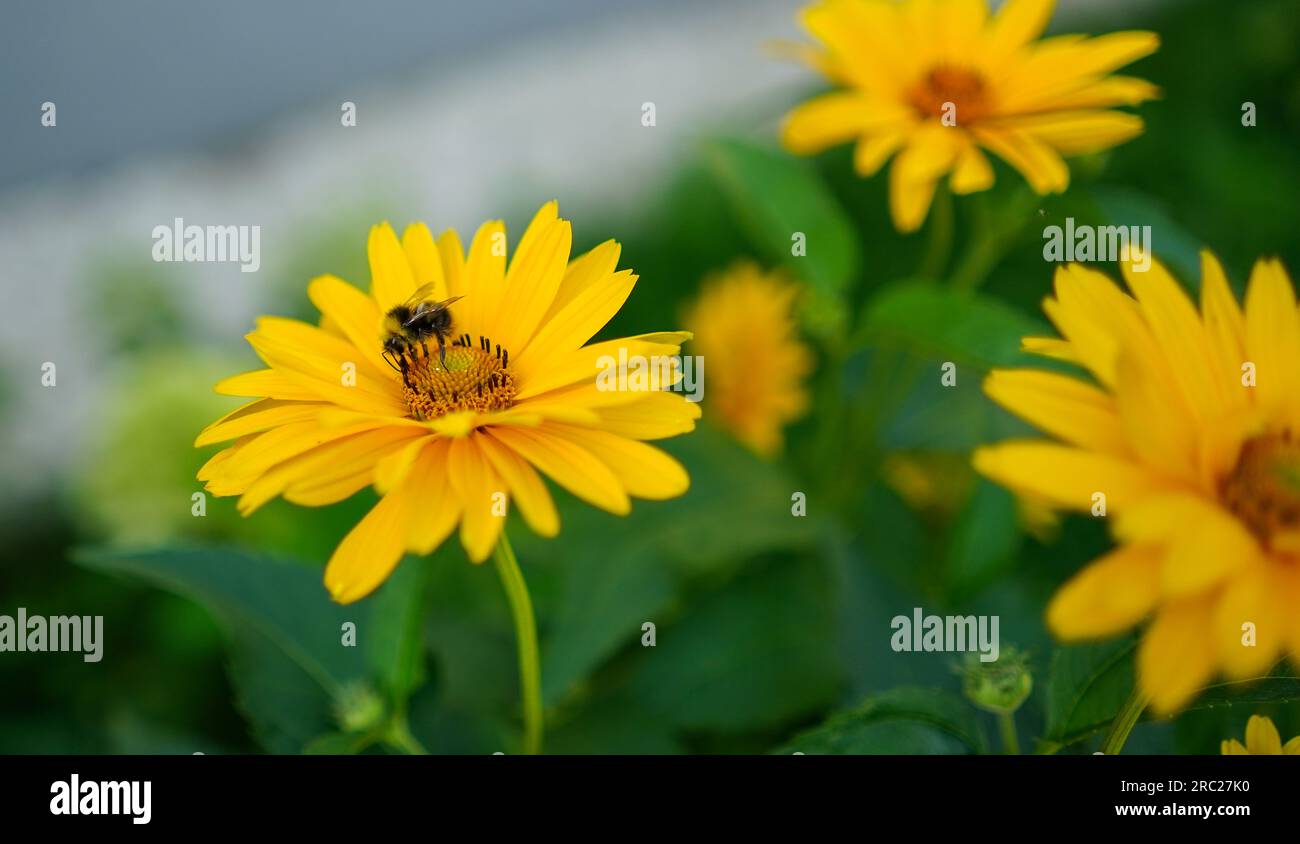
289,665
602,606
776,196
282,600
899,721
984,540
757,654
939,323
1272,689
395,640
285,706
1086,686
1170,242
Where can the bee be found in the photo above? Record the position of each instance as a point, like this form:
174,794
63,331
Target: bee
413,323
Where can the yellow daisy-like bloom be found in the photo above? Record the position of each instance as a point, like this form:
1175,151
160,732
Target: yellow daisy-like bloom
447,442
1262,739
938,81
752,354
1189,440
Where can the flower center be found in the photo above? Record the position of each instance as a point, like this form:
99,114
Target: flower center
1263,489
945,84
471,378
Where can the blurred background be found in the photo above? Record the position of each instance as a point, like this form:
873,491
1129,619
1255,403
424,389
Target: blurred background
771,634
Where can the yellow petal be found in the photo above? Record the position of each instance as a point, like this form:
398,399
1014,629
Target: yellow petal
1249,602
484,282
338,460
526,486
1232,747
1110,595
477,485
255,417
1038,162
393,469
1063,406
569,465
1273,340
872,151
584,315
437,507
587,269
391,282
422,254
1180,334
1204,544
452,257
1077,132
643,470
1225,326
972,172
1065,476
264,383
1016,23
835,118
1176,656
354,313
533,279
583,365
1262,738
371,550
652,417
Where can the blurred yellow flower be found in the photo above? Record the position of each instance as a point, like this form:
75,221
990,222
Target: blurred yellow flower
746,334
447,442
1262,739
1188,439
937,81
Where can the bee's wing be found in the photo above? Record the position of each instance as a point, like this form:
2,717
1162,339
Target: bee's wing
424,294
430,306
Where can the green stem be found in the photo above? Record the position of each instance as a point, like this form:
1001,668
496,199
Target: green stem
530,664
939,248
399,735
1007,727
1124,722
993,234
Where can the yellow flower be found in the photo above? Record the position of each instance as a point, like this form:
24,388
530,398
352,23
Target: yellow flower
1187,440
751,351
446,443
938,81
1262,739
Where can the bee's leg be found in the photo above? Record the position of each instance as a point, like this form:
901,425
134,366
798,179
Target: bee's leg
442,352
406,371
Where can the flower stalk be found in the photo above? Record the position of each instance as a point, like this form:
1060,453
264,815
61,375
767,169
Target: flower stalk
530,664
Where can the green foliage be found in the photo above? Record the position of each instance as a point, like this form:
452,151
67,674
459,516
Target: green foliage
901,721
777,198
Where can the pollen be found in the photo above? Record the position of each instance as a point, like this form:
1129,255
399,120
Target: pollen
963,88
1263,489
473,377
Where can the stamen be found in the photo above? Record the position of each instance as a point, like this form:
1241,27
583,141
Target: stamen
1263,489
468,379
945,84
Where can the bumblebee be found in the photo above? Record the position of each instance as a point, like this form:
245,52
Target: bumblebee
413,323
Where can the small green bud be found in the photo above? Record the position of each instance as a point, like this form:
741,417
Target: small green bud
358,708
999,687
